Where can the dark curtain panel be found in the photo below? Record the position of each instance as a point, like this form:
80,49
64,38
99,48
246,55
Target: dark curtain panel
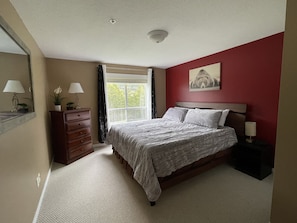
154,107
102,117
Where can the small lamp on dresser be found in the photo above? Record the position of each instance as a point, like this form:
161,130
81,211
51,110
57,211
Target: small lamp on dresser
250,131
75,88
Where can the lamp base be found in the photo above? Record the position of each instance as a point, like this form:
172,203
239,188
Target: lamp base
15,102
77,101
249,140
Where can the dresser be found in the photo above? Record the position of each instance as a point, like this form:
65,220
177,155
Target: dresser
71,134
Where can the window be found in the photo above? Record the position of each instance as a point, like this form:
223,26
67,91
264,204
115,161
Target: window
128,98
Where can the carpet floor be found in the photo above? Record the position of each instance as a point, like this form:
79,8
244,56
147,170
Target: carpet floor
96,189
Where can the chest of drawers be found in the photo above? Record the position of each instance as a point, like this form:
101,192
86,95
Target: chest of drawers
71,134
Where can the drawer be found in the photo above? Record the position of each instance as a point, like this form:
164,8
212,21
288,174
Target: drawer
78,142
78,124
80,150
78,133
77,116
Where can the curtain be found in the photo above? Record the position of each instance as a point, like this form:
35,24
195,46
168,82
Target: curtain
154,107
102,116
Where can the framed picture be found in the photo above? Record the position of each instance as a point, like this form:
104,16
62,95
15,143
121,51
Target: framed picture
206,78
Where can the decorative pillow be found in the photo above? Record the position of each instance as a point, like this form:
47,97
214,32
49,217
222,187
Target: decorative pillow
176,114
204,117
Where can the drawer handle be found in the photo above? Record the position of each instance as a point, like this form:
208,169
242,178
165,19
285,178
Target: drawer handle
81,133
78,115
81,140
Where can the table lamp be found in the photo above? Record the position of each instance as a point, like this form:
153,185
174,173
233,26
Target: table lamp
250,131
14,86
75,88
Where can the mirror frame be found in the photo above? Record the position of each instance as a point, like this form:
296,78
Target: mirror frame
18,120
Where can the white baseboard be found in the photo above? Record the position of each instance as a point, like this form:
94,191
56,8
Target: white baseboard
42,194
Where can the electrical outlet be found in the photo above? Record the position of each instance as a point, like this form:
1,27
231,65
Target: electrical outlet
38,179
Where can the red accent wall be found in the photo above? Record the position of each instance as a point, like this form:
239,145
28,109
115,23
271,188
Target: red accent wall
250,74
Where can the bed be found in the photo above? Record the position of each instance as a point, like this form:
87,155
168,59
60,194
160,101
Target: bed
189,139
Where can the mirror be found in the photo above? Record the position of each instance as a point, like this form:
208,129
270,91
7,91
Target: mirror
17,104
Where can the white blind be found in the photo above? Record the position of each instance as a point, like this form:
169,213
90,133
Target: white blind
126,69
126,78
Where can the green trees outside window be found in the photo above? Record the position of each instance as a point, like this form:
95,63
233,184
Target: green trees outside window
126,102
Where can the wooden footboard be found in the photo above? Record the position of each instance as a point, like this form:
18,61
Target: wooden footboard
186,172
195,168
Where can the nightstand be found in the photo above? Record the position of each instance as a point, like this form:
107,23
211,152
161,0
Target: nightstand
253,158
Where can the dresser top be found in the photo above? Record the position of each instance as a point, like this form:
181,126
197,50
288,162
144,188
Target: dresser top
72,111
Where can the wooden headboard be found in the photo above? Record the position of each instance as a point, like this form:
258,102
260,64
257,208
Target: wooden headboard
235,118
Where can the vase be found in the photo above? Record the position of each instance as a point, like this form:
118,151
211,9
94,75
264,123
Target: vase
58,107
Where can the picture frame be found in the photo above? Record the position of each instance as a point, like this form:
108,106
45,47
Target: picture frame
206,78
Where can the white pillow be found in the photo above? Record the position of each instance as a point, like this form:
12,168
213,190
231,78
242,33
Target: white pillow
175,114
224,115
182,108
204,117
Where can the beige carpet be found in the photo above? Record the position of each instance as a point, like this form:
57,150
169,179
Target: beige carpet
97,189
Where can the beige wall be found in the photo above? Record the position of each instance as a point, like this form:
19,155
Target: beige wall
24,150
284,201
63,72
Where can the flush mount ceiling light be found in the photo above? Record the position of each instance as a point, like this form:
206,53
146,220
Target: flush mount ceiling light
157,36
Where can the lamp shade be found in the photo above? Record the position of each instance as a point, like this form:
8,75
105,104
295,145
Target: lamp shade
250,128
75,88
14,86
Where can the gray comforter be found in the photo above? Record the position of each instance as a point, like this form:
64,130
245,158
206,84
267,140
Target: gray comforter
158,147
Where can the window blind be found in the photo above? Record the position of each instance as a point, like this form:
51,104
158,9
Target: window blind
126,78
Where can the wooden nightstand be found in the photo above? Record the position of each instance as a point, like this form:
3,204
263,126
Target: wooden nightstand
253,158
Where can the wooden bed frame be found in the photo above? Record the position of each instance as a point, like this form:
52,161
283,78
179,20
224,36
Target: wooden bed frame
235,119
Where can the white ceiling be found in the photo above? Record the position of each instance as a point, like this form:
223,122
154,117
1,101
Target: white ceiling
8,45
80,29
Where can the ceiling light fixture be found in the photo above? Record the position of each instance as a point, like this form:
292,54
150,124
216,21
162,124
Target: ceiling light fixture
157,36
